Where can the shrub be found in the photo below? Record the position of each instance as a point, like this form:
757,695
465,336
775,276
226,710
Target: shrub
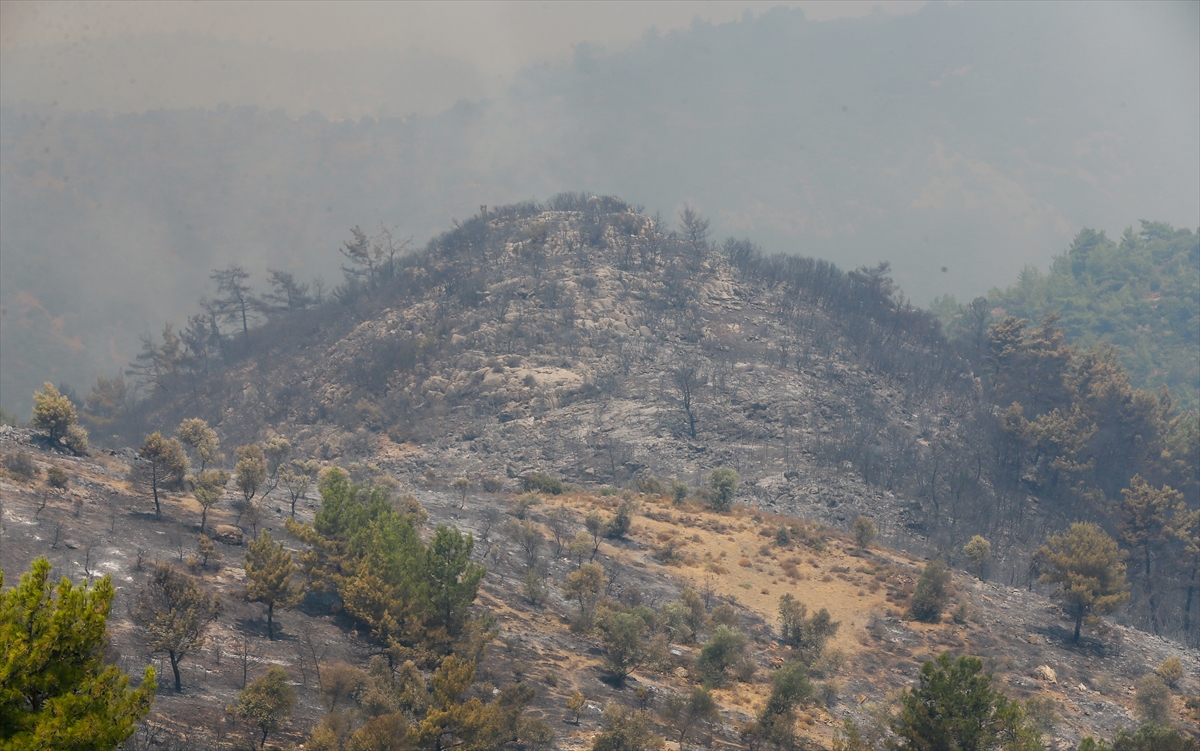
56,477
829,663
725,615
961,613
534,584
978,550
721,652
576,703
1152,699
932,593
540,482
1170,671
807,634
267,702
523,503
668,552
628,730
864,532
650,486
831,690
618,526
1043,714
723,481
492,484
534,734
1149,737
790,687
22,466
76,439
625,644
679,492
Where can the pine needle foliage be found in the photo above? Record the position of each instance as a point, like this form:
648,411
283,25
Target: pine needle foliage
270,570
55,690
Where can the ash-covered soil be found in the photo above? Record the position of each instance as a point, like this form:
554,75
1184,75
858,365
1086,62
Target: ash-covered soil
101,524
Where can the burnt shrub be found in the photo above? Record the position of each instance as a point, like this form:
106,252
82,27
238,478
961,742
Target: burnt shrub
22,466
56,477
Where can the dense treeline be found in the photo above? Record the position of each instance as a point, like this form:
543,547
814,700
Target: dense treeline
1141,295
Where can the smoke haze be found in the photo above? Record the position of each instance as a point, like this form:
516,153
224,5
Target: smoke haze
139,152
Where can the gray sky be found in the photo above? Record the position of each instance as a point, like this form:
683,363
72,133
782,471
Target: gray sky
499,35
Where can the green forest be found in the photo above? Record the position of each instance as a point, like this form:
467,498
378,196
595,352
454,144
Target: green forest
1140,295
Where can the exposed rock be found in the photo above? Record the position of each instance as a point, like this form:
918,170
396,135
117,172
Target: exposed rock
227,534
1045,673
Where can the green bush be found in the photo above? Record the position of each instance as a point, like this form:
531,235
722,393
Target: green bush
864,531
723,481
930,597
1149,737
955,706
806,634
628,730
978,550
679,492
721,652
540,482
618,526
790,687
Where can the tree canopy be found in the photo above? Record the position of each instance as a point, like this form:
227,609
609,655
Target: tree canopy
955,708
267,702
367,549
1140,294
52,411
55,690
269,573
1088,568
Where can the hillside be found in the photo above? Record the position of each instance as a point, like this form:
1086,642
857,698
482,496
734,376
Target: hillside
586,341
99,524
583,340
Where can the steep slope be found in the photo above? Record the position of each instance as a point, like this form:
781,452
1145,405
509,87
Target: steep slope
580,340
99,525
584,340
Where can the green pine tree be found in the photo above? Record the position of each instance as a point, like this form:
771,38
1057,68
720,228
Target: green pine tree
955,708
1089,569
269,572
55,690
